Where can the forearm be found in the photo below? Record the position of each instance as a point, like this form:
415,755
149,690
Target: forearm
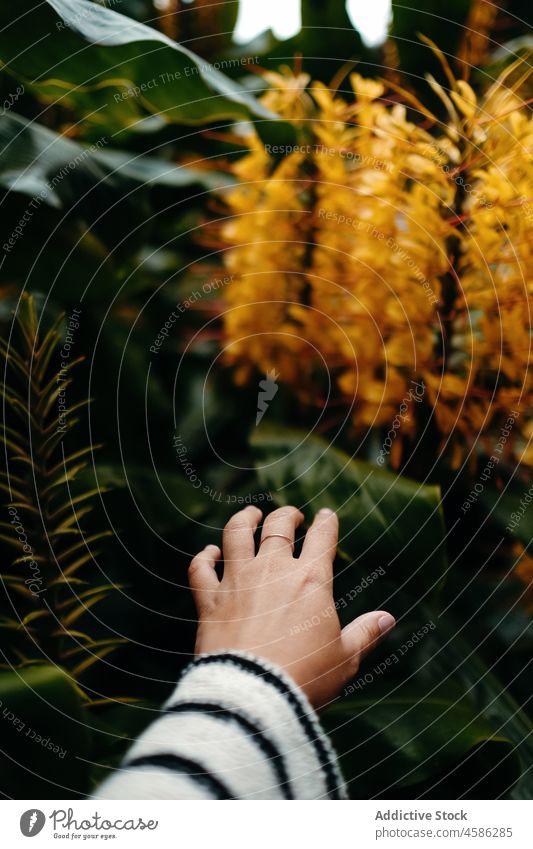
234,728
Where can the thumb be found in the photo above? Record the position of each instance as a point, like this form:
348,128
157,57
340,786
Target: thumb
364,633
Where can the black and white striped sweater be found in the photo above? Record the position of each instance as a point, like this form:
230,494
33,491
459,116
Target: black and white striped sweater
234,728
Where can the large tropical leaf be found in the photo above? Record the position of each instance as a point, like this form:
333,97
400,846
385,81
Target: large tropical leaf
390,737
425,715
103,202
115,69
459,661
58,171
385,519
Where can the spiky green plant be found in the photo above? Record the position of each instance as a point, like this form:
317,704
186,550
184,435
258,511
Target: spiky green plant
49,584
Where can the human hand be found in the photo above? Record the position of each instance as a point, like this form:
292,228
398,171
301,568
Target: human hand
263,598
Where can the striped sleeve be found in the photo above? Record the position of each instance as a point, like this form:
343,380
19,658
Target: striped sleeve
234,728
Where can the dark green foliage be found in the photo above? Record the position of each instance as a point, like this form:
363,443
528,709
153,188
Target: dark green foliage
424,704
445,29
99,56
44,738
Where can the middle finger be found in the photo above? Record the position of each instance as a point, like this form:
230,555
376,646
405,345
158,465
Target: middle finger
279,530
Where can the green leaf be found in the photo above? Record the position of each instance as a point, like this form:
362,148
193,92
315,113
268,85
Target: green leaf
458,660
160,498
102,200
425,715
392,737
112,68
57,171
43,737
385,520
151,171
114,731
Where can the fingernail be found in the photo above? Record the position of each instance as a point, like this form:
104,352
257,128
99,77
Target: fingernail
386,623
325,512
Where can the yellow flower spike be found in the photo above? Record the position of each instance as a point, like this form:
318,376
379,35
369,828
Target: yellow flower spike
366,89
465,99
287,94
394,254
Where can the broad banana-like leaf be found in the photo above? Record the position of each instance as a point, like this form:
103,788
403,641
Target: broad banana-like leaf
114,69
386,520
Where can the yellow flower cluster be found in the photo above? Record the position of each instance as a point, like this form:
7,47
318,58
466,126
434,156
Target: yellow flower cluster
488,370
379,236
267,229
267,225
377,251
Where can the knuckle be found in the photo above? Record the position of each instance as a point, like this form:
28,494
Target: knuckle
369,637
351,666
283,513
323,541
322,532
274,559
314,576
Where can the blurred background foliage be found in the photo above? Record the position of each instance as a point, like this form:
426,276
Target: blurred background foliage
106,195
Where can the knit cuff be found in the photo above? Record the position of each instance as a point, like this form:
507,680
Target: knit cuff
250,687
